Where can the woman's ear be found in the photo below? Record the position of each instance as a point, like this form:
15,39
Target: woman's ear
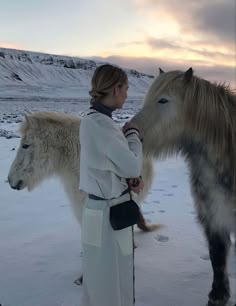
116,90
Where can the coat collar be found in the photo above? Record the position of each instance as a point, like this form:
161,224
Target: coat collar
102,109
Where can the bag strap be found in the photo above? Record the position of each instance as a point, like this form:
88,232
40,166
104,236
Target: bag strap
100,189
111,199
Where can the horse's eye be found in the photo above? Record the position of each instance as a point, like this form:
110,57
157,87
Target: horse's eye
25,146
163,101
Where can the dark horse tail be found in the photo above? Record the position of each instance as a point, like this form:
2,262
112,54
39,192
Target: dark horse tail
142,225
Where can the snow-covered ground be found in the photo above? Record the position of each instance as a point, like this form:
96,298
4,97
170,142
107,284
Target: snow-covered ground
41,252
40,249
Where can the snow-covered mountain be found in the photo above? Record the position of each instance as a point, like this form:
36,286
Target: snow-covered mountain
33,74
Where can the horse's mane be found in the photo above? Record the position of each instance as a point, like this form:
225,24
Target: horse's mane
42,119
211,108
210,111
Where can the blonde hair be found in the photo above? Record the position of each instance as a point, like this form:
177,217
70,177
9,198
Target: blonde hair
104,80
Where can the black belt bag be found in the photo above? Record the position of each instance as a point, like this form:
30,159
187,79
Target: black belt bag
124,214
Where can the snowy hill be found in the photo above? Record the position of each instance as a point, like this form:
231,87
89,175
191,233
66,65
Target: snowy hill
32,74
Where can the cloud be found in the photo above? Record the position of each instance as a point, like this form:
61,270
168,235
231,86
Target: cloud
5,44
218,73
157,43
181,51
196,47
127,44
214,20
196,33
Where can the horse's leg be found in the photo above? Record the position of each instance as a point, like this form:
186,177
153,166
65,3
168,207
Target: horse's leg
207,199
234,259
218,243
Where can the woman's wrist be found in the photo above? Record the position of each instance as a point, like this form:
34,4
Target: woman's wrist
130,131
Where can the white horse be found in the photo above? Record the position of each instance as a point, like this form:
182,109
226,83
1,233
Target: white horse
50,146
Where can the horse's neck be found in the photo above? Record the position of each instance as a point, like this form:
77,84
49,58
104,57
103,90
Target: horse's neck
65,164
196,149
68,171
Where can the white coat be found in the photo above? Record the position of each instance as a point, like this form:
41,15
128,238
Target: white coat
107,158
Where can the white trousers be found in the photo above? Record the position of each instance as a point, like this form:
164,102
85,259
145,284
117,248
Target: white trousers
108,258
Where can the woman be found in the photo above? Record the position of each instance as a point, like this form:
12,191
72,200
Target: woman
108,159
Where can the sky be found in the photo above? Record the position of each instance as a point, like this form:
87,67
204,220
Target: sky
140,34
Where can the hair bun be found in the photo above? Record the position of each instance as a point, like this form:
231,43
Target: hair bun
94,93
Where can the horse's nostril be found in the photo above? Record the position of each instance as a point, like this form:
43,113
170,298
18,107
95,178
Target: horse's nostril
18,185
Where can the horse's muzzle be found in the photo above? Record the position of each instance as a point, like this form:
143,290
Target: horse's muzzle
16,186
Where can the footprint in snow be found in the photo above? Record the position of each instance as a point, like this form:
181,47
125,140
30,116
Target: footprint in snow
168,195
148,212
205,257
232,274
161,238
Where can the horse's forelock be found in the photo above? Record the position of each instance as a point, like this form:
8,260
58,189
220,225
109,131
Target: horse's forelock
30,122
162,83
45,120
24,127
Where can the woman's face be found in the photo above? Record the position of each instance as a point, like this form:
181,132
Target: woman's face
120,94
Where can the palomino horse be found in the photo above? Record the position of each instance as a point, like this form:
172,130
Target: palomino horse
50,146
185,114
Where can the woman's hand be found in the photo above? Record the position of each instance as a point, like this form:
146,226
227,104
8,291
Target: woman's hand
129,125
136,184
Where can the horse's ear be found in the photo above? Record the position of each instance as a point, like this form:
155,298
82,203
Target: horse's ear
161,71
188,75
29,120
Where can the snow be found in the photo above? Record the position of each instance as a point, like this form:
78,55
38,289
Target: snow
40,238
41,251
